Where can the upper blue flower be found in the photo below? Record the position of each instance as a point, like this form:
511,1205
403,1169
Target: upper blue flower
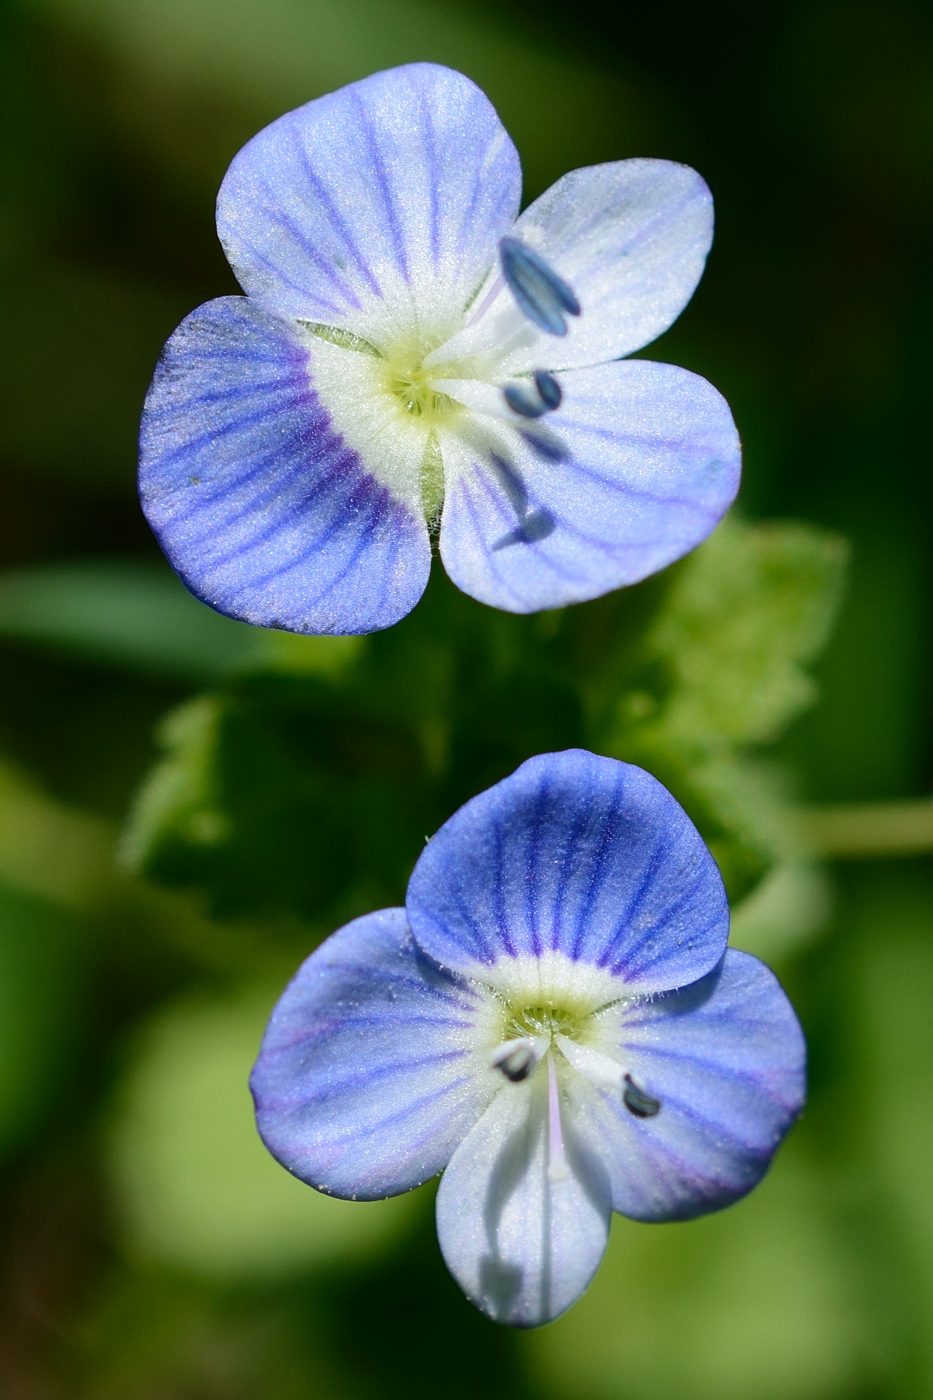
411,354
553,1018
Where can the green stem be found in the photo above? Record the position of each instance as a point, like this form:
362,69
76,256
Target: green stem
854,831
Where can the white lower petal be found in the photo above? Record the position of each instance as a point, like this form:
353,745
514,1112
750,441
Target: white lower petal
522,1245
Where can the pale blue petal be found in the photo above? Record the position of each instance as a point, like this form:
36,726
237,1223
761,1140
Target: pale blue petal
631,239
581,855
637,466
726,1058
367,1078
262,508
521,1246
376,208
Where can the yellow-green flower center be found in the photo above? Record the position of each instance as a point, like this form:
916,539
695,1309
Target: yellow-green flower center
547,1020
406,379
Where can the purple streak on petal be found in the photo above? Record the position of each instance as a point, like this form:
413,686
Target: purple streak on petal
643,460
261,507
343,230
359,201
534,851
365,1082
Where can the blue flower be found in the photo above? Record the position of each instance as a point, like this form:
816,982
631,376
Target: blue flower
412,358
553,1021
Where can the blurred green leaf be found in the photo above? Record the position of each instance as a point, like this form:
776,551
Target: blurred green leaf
724,672
57,853
42,967
756,1301
196,1186
124,612
279,53
891,927
308,783
139,616
790,905
748,611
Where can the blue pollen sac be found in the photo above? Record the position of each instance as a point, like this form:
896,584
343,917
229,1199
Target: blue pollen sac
531,401
542,295
548,387
638,1103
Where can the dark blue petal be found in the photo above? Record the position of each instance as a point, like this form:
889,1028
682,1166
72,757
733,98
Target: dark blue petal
262,509
579,854
726,1058
387,197
366,1080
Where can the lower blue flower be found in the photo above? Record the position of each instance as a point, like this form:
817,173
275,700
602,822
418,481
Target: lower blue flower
553,1021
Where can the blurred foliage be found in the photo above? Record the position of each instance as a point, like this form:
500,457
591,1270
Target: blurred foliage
195,1185
310,794
150,1250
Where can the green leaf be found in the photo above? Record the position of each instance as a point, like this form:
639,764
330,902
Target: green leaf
41,995
127,613
195,1185
747,612
759,1300
723,671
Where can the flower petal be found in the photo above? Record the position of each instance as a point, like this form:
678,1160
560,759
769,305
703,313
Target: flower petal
521,1246
262,508
376,208
578,855
636,468
629,238
369,1073
726,1058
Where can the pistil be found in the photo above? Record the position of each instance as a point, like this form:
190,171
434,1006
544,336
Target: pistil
557,1168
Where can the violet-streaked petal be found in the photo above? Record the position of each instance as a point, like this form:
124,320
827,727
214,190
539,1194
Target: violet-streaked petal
633,470
369,1075
726,1059
263,509
631,238
522,1245
376,208
578,855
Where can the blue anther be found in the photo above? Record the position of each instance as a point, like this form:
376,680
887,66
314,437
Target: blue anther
532,400
548,387
542,295
523,399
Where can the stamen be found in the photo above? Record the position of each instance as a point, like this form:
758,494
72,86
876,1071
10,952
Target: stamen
557,1168
532,402
545,298
516,1058
637,1102
606,1073
548,387
486,302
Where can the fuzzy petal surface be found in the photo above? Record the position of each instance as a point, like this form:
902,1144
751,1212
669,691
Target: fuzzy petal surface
262,507
630,241
521,1246
375,208
726,1058
576,855
368,1076
637,467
